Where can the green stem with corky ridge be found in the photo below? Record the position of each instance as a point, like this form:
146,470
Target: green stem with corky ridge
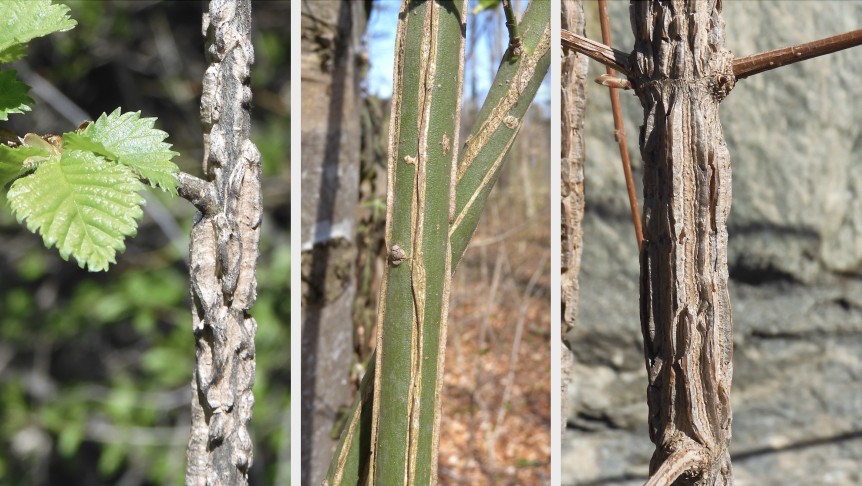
433,208
515,85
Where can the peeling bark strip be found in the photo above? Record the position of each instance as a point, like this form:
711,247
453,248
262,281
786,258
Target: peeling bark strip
223,254
681,73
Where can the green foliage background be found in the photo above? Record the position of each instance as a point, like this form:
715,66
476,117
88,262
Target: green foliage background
95,367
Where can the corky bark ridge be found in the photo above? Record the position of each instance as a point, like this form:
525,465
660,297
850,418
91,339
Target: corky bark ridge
223,256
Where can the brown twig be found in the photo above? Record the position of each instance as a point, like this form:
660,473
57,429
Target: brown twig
742,67
758,63
620,131
594,50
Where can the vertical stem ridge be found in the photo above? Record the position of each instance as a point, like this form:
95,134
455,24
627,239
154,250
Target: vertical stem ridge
419,275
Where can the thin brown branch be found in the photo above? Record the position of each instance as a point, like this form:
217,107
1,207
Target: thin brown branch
758,63
620,130
595,50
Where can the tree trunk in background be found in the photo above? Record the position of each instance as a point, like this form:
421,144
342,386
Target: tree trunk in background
331,108
573,106
682,72
223,255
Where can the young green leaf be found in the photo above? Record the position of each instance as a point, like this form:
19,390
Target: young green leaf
27,19
13,161
13,95
132,141
82,204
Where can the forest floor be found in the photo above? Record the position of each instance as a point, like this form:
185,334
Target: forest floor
496,409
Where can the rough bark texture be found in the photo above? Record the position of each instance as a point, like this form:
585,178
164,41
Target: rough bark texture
331,108
223,255
573,81
681,75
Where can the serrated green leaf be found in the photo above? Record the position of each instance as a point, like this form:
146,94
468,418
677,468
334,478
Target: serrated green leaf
82,204
25,20
77,141
137,145
13,95
12,161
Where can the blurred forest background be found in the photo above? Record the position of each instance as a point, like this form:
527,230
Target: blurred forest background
95,368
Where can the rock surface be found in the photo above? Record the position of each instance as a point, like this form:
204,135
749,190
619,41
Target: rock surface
795,259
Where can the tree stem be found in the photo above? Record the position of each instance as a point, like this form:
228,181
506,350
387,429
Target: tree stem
223,252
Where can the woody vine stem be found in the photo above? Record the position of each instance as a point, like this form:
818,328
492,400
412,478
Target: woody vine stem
685,304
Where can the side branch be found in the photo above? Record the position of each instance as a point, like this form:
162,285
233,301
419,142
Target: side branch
758,63
594,50
198,192
742,67
512,27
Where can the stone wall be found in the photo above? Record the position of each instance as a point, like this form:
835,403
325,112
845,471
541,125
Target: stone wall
795,138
